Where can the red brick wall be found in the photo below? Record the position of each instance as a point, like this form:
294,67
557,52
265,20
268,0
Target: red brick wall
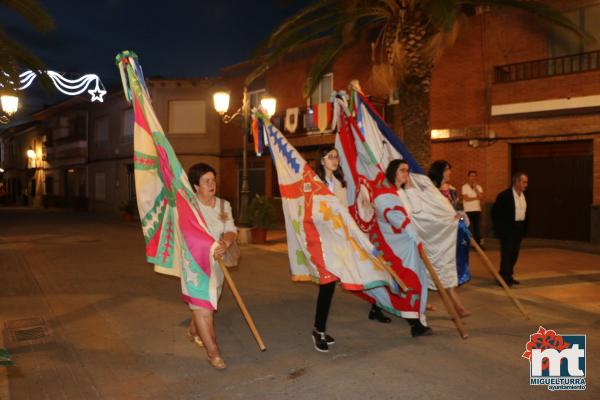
457,92
461,95
492,163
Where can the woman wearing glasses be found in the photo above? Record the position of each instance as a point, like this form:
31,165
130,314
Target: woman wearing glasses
328,169
330,173
398,173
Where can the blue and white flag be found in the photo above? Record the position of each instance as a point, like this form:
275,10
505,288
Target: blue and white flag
433,217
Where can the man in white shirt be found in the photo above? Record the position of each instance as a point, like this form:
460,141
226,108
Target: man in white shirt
509,215
472,194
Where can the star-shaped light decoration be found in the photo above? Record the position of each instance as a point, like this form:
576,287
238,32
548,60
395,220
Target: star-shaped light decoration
97,94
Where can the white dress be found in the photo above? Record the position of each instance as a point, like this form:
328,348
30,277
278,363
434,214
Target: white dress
218,224
336,188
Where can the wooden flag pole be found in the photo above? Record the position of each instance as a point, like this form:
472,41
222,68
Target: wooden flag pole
389,269
442,292
238,298
499,278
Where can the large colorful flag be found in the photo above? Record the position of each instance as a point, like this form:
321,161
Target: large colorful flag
177,239
326,245
434,218
374,203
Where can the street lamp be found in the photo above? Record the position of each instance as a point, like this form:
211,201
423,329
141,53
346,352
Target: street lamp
31,156
269,104
221,103
9,103
221,100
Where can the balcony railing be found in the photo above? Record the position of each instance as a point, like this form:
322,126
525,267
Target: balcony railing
564,65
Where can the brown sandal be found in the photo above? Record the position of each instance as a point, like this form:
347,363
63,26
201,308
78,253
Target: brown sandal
217,363
194,338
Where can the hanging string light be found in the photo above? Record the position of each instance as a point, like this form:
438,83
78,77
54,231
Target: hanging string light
70,87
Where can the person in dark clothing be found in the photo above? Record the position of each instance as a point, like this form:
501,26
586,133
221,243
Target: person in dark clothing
328,169
509,216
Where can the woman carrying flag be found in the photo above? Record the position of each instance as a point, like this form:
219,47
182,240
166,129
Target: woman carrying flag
328,169
398,173
219,222
330,173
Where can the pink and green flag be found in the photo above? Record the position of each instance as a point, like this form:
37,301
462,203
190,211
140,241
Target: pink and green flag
177,239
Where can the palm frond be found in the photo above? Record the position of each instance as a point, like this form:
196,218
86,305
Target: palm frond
442,13
435,46
328,53
325,19
304,17
13,56
33,11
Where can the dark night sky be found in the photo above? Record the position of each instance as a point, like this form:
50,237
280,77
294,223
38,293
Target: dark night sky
173,38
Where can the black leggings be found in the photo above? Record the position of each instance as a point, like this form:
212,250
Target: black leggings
323,304
475,227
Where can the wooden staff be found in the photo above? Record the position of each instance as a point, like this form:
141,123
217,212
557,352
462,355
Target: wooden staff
238,298
389,269
499,278
442,292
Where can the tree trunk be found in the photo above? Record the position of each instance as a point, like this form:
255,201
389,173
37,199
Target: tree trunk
414,117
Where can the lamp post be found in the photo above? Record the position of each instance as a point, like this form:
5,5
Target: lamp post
221,103
36,163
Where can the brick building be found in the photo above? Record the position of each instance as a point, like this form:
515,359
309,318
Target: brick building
511,94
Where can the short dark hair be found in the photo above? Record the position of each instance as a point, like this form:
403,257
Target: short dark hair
436,172
472,171
196,171
392,169
517,175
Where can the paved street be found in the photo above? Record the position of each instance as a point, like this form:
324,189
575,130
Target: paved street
108,327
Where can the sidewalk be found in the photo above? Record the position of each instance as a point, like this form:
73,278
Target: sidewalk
113,329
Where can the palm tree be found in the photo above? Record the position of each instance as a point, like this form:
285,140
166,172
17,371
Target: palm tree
411,36
13,55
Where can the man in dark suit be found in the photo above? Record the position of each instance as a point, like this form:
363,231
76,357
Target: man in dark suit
509,215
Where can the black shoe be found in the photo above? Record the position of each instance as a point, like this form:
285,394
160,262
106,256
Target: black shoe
320,341
418,329
377,314
514,282
508,281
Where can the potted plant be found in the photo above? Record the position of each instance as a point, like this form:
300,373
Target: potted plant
128,210
261,213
